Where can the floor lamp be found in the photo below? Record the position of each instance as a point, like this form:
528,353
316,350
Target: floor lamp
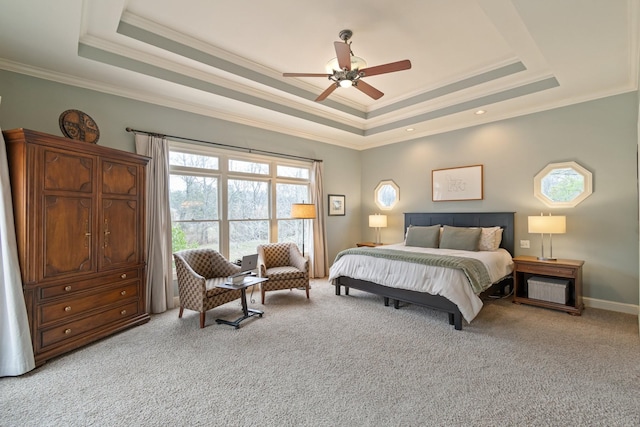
303,211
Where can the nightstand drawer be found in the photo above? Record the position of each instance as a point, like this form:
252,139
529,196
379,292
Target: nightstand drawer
548,270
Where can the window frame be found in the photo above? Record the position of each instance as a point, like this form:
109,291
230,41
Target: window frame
224,175
587,189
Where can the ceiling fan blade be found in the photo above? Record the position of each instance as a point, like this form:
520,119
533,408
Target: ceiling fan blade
368,89
304,75
386,68
343,53
326,92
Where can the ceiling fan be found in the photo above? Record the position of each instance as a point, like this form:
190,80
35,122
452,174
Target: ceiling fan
346,69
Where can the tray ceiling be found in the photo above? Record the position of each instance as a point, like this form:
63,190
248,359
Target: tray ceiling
225,59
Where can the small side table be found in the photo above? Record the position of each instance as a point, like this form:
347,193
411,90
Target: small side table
526,266
368,244
246,312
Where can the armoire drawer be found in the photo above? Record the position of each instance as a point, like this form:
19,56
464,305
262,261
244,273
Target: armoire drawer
79,305
78,327
72,287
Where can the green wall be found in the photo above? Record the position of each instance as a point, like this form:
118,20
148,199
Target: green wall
600,135
36,104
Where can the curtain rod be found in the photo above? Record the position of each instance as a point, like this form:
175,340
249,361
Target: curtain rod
233,147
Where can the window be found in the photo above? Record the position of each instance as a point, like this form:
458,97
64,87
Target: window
194,185
290,230
233,202
248,214
386,194
562,184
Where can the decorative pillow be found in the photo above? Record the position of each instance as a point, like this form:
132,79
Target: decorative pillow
488,238
424,237
498,238
462,238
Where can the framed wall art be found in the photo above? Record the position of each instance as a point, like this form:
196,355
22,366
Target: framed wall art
456,184
336,204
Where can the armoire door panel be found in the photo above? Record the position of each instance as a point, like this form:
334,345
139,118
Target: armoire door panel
68,172
67,235
120,233
119,178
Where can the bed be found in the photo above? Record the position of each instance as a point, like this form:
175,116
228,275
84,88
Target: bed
450,291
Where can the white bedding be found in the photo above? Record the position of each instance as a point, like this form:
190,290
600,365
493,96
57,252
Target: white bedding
447,282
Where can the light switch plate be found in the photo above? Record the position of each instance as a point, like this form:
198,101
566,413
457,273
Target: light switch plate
525,244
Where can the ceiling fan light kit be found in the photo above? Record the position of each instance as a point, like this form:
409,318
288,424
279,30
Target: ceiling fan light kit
346,69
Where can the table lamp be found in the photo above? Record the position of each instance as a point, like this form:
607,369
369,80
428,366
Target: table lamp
377,221
303,211
547,225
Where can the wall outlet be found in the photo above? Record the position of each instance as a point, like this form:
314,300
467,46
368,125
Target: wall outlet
525,244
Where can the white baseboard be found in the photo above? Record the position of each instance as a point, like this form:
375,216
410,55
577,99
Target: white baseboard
611,306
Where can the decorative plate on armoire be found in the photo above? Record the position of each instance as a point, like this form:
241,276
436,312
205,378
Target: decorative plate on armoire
79,126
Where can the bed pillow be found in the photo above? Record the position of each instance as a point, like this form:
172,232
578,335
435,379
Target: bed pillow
462,238
424,237
498,238
490,238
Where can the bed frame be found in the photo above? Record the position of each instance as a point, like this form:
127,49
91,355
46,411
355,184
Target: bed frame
436,302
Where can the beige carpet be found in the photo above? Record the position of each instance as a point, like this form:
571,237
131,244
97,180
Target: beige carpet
343,361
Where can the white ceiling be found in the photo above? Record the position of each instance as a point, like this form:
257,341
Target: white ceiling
225,58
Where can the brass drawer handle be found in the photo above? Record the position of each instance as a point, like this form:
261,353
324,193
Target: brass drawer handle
123,293
123,312
67,331
123,276
67,288
67,308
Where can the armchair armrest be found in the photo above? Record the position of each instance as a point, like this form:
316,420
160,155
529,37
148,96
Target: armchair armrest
297,260
262,268
187,276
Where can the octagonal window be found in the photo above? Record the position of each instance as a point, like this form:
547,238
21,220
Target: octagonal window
386,194
563,184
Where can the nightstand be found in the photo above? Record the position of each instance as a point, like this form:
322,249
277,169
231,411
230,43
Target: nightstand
567,270
368,244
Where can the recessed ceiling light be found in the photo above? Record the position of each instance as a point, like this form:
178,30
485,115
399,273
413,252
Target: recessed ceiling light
409,129
480,112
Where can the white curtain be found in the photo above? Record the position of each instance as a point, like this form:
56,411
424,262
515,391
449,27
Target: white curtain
16,352
159,277
320,258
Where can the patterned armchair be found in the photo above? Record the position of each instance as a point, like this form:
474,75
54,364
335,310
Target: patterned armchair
199,270
285,267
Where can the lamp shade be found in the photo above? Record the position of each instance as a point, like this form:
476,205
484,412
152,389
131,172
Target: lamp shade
303,210
377,220
548,224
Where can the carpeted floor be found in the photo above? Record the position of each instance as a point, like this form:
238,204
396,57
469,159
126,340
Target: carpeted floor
343,361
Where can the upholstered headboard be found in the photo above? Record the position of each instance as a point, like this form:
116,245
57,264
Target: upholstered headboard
467,219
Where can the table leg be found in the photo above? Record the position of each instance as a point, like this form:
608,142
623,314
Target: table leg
246,312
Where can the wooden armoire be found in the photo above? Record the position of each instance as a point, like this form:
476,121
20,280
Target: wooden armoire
80,225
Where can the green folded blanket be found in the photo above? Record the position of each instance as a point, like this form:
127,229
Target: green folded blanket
474,269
